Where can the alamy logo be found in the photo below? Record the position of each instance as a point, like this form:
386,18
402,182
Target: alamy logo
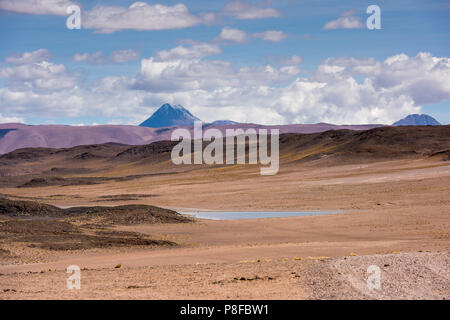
374,280
74,281
74,20
374,21
237,141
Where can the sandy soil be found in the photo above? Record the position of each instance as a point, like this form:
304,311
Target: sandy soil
403,276
396,206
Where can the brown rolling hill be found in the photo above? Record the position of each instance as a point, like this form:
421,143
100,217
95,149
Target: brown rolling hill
17,136
94,164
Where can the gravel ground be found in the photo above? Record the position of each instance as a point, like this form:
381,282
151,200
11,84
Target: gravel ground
402,276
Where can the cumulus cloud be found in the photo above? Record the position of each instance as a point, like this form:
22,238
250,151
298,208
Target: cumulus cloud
195,51
182,69
51,7
190,75
346,21
271,35
343,90
119,56
292,60
94,58
29,57
424,78
244,10
140,16
235,35
10,119
32,70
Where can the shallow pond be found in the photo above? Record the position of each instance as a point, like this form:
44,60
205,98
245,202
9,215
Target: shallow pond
241,215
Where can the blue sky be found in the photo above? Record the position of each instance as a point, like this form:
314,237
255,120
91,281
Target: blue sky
227,67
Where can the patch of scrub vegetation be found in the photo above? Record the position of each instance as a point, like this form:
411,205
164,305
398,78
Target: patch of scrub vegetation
62,235
122,215
38,225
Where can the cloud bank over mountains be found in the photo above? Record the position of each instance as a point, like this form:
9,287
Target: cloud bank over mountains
345,90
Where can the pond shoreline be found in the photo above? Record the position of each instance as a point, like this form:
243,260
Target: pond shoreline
244,215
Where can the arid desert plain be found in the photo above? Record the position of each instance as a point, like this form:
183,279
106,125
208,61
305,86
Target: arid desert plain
390,185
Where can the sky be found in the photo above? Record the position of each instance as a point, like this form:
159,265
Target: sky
267,62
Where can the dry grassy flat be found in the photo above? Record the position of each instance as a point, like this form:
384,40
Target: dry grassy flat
391,206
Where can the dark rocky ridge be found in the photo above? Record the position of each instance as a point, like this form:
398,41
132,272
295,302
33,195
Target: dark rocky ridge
122,215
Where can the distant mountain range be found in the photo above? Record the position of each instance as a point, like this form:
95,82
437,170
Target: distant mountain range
176,116
417,120
222,122
156,128
90,164
16,135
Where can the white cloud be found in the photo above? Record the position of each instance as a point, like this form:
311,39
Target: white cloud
140,16
424,78
10,119
271,35
244,10
187,75
109,19
94,58
345,90
235,35
332,94
346,21
293,60
71,103
40,76
119,56
29,57
51,7
195,51
32,70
